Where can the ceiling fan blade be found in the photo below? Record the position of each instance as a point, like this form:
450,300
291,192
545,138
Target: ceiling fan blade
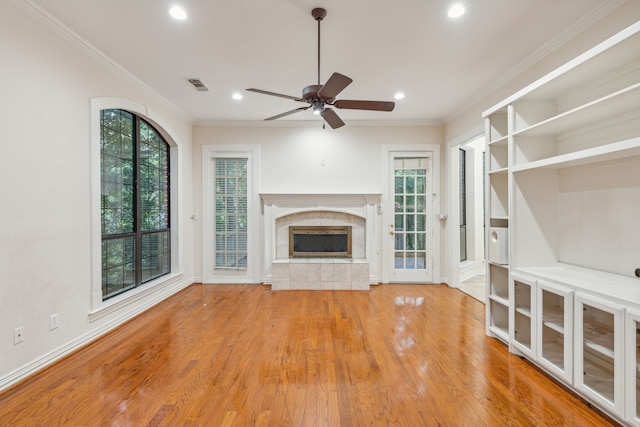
266,92
288,113
332,118
336,84
364,105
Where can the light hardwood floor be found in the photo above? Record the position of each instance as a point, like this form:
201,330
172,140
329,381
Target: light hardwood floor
243,355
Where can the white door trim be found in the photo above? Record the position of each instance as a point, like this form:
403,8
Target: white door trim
430,150
252,273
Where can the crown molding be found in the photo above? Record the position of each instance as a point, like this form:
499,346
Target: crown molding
59,28
315,123
554,44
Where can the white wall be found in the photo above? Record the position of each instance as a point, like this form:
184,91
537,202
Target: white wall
308,159
46,87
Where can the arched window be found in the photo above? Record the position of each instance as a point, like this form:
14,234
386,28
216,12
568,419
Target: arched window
134,202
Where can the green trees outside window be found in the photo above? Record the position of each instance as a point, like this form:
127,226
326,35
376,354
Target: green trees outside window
136,234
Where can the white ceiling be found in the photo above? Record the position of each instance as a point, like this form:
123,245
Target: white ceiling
442,65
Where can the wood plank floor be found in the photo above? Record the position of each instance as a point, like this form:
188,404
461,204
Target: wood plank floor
243,355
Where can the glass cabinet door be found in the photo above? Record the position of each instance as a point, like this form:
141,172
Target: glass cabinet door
633,367
522,315
555,330
599,370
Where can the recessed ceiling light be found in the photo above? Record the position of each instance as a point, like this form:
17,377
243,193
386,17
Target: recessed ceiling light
177,12
399,96
456,10
237,96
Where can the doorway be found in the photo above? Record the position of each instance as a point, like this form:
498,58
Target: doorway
468,203
410,217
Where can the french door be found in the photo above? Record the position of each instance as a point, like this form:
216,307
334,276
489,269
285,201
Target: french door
409,231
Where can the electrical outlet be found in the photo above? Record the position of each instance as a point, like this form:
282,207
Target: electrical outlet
18,335
53,321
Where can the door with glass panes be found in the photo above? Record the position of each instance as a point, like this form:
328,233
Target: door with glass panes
409,231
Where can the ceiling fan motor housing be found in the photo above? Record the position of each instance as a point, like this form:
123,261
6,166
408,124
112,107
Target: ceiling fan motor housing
310,92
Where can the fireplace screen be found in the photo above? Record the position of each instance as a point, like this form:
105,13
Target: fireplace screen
320,242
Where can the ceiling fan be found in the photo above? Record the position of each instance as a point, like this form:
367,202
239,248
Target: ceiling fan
320,97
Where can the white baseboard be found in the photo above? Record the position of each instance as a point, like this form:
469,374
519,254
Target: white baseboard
47,359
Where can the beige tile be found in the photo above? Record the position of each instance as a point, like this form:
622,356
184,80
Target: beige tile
279,285
342,272
360,285
280,272
326,272
360,272
343,286
314,272
298,272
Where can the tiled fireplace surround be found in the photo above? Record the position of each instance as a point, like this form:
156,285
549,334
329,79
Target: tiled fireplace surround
283,210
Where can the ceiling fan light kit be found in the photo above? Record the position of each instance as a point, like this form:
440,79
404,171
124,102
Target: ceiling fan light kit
320,97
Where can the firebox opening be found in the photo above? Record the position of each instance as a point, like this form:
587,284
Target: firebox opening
320,242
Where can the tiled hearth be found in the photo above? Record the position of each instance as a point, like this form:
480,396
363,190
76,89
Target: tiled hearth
320,273
284,210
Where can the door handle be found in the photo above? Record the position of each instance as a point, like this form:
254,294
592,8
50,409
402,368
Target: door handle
392,233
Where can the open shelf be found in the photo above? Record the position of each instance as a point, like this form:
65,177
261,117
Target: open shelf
499,282
613,151
611,105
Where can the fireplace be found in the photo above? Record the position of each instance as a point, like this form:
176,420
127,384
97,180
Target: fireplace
320,242
350,268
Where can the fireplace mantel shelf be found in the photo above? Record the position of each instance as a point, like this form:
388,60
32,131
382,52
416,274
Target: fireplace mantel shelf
274,198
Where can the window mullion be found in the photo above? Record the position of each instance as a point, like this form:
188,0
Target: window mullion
136,204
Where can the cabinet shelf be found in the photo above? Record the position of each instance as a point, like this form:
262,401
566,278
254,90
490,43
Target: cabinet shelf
500,300
553,318
617,103
613,151
501,171
524,311
500,142
600,341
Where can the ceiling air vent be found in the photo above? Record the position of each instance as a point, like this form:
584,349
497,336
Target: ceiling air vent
198,85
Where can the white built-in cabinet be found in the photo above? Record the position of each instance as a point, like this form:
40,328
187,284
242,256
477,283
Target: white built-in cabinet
562,209
632,368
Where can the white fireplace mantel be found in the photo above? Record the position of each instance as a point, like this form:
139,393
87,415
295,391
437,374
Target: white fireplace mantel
322,199
278,205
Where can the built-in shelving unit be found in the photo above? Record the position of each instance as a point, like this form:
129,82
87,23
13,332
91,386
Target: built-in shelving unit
563,185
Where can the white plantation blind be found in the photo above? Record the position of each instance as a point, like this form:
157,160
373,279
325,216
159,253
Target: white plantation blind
230,213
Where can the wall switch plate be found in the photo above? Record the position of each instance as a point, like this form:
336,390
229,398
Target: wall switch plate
18,335
53,321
